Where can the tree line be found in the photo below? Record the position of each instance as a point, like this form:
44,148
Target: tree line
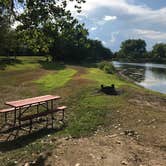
135,50
47,27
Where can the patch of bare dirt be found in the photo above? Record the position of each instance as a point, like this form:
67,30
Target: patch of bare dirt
105,150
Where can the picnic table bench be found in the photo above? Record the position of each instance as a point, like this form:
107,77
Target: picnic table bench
19,107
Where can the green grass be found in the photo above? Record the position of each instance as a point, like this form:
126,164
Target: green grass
87,109
103,78
21,63
56,80
24,66
87,113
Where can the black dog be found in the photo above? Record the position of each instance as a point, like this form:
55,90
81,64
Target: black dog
110,90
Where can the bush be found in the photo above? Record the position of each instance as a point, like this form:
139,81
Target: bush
107,67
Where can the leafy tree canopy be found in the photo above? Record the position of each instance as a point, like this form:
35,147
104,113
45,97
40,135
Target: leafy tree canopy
132,48
47,26
159,51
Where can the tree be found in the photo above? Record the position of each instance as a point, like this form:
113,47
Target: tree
8,37
159,52
132,49
47,26
98,52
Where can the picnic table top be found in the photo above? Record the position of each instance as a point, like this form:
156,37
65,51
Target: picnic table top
29,101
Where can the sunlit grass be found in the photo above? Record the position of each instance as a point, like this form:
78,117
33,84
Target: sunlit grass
23,66
20,63
103,78
56,80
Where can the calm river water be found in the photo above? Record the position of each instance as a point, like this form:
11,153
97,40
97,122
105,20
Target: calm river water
148,75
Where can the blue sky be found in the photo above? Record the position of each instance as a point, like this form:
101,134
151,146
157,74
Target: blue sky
113,21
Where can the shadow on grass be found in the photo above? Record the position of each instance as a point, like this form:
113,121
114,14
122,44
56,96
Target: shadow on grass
84,64
24,140
4,62
52,65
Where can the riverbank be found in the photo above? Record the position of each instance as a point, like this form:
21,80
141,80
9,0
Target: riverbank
139,60
147,75
128,129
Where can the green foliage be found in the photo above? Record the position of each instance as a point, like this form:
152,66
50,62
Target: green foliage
48,27
107,67
96,51
159,52
56,80
132,49
103,78
135,50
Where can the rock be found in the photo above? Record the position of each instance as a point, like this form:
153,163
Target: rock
33,162
130,132
15,162
103,157
116,127
154,127
92,155
112,136
78,164
118,142
124,162
54,139
27,164
55,156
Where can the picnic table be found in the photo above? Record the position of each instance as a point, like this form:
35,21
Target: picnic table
20,107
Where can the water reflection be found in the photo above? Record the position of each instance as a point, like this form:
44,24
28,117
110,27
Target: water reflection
151,76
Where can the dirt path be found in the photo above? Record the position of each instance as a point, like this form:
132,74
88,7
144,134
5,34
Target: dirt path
105,150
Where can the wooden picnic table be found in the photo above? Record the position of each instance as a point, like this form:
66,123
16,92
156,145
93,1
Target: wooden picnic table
21,106
32,101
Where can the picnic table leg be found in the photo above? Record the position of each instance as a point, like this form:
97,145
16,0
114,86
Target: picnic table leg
52,116
5,117
15,117
47,105
63,114
19,117
37,108
30,126
4,123
37,119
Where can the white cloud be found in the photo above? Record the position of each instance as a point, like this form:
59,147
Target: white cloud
104,43
141,12
150,34
97,38
113,36
93,28
109,18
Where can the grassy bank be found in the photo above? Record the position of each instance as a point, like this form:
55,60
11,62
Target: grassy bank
88,110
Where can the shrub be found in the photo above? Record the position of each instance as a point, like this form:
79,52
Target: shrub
107,67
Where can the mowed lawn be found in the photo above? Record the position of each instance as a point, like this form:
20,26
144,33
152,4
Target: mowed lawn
88,110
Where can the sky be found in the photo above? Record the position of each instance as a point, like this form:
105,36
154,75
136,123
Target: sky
113,21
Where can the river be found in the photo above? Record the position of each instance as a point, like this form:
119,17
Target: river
149,75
